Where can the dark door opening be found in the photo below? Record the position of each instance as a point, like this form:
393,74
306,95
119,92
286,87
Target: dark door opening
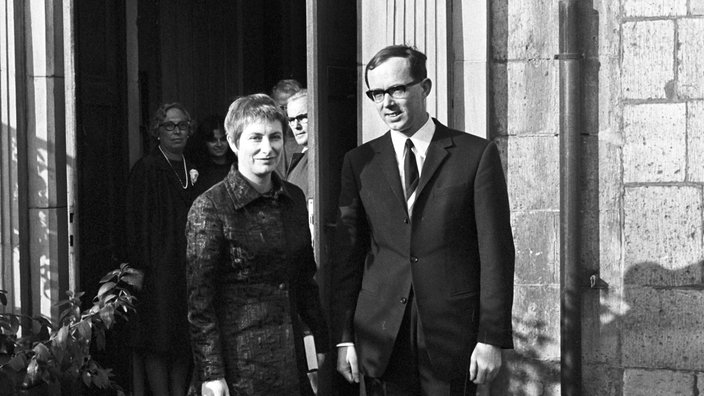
203,54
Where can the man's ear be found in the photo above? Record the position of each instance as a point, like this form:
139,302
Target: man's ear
427,85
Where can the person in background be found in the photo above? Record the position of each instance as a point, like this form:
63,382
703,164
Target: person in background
251,267
424,261
159,194
298,122
281,92
211,152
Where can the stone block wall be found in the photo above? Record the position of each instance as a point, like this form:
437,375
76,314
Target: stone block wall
524,119
642,192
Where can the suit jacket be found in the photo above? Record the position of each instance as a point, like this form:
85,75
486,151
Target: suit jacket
298,172
456,251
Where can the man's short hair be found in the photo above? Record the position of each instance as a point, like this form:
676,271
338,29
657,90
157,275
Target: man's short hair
288,87
298,95
416,58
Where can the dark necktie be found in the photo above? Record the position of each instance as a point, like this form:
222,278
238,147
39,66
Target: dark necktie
410,169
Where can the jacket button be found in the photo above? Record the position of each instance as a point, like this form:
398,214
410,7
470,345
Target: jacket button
282,286
404,300
405,221
414,259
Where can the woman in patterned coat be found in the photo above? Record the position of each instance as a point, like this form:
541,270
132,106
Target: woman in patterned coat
251,266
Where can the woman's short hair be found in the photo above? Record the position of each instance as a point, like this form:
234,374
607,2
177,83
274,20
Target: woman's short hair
160,115
416,58
249,109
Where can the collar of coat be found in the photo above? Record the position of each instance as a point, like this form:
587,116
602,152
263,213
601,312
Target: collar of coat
242,192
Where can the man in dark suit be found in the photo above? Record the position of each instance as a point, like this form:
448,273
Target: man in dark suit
297,110
423,270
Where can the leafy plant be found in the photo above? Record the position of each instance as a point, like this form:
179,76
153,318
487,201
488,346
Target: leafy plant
61,352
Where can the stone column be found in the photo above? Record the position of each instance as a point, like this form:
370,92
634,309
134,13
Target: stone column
45,159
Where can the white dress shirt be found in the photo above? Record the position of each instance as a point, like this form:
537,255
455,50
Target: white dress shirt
421,140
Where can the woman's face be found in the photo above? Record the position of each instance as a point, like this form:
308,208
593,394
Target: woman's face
217,145
259,147
173,141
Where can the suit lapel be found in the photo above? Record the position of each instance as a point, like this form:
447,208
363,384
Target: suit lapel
389,167
437,152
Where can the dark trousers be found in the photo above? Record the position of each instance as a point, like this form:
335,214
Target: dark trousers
409,372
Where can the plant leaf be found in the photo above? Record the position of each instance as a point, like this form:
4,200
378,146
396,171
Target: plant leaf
110,275
61,337
85,376
107,315
42,353
84,329
106,287
18,362
134,279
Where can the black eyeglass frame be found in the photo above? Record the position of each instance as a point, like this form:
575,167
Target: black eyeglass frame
300,118
171,126
395,91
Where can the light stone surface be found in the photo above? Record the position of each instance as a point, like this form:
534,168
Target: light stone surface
533,97
697,8
537,259
654,8
662,328
690,58
533,29
654,142
695,141
533,174
648,59
657,383
663,235
536,321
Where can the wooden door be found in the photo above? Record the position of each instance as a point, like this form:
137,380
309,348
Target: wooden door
332,113
102,155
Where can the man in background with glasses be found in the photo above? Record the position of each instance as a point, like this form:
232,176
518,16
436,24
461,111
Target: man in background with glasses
281,92
423,267
298,122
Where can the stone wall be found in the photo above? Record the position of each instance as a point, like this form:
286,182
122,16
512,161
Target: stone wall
642,192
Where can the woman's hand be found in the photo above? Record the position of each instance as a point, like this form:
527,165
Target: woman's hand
216,387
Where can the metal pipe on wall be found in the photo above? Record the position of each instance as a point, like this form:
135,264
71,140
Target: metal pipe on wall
570,119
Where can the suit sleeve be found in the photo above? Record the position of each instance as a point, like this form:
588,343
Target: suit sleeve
307,292
496,250
351,247
204,238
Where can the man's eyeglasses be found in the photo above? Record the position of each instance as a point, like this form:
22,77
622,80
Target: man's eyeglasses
396,91
170,126
300,118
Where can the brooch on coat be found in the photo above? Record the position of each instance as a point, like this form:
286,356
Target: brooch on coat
194,175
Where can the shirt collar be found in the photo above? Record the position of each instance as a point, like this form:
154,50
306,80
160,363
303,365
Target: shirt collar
243,193
421,139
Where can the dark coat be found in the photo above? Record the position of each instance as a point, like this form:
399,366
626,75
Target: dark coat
456,251
250,278
298,172
156,210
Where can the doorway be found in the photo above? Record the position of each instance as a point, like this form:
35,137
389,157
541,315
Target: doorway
204,54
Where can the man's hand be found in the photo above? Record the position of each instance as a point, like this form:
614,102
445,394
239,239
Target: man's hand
347,363
216,387
485,363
